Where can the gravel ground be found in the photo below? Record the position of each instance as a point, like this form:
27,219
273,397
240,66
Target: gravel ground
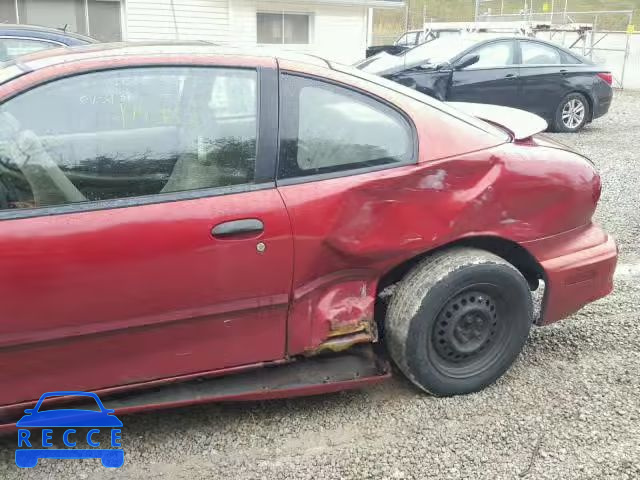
569,409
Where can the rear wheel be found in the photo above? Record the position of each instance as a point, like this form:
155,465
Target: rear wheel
572,114
458,320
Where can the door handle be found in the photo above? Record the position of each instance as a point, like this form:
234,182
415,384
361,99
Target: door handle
510,76
236,228
564,71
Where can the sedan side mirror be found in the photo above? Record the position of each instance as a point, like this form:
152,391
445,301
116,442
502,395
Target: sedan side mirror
467,61
443,66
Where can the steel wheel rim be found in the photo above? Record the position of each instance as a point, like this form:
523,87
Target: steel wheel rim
573,113
467,340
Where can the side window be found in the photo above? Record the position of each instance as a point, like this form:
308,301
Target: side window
496,54
407,39
126,133
534,53
14,47
326,128
403,39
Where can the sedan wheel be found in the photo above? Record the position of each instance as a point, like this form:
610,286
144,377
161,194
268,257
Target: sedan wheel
458,320
572,113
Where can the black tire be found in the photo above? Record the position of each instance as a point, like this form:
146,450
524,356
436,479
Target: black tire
458,320
562,123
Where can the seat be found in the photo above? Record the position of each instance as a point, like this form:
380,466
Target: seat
49,184
205,144
192,170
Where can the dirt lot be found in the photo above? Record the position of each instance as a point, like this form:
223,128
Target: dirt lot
570,408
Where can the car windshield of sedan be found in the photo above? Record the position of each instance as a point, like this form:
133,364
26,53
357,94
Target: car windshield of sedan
430,53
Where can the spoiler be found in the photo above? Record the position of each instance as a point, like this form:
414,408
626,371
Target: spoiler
521,124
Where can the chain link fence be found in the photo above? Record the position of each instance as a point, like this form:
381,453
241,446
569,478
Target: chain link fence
388,25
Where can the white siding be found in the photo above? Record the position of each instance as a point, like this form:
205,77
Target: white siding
337,32
177,20
242,22
341,33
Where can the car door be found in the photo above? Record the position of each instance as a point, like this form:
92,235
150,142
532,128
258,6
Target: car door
139,237
492,79
545,77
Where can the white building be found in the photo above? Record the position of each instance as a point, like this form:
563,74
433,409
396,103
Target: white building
336,29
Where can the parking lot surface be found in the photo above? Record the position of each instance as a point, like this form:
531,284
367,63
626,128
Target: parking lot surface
568,409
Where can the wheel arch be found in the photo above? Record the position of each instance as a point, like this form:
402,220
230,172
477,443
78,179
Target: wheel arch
511,251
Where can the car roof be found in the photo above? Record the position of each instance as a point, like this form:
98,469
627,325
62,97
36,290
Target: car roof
109,51
482,37
476,38
45,33
530,39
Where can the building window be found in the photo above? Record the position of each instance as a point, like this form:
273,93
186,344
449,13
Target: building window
283,28
70,15
8,11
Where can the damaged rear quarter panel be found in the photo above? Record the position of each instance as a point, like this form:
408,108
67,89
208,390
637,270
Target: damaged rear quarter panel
466,182
349,231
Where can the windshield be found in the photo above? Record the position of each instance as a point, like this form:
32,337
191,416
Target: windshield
430,53
438,51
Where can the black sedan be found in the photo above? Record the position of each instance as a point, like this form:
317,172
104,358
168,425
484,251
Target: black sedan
564,88
16,40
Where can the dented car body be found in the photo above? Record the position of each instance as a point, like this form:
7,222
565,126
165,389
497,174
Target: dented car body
529,74
277,285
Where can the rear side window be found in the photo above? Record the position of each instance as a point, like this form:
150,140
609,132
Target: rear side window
14,47
128,133
569,59
326,128
534,53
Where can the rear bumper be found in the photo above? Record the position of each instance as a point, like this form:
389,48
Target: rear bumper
602,100
580,271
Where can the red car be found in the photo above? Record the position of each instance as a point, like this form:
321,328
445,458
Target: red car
174,214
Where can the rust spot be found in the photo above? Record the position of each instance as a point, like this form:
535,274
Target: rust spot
340,343
347,329
345,313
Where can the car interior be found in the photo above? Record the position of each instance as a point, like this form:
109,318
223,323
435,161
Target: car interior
127,134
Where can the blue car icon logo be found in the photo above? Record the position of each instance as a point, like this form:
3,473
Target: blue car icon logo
28,452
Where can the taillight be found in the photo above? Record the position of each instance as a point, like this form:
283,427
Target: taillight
607,77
